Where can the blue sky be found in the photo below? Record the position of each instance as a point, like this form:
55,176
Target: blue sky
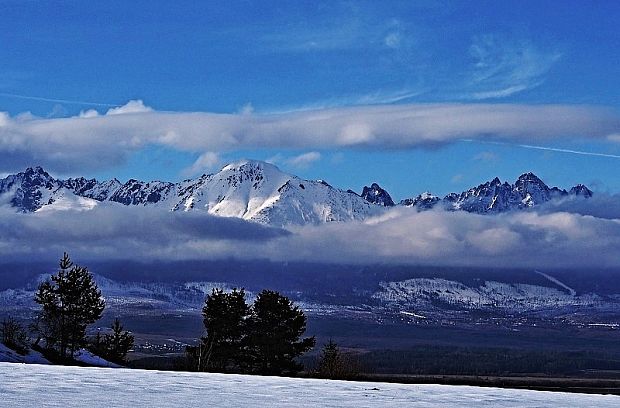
264,59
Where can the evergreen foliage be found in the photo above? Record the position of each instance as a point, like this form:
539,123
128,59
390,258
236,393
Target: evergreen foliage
225,317
334,364
115,346
263,338
276,326
70,301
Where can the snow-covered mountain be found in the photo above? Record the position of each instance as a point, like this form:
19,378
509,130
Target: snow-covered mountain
495,197
251,190
259,191
488,295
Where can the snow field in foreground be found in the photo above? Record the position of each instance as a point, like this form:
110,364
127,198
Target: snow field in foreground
25,385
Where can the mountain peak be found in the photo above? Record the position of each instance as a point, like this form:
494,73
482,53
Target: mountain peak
36,170
249,164
529,176
376,195
581,191
259,191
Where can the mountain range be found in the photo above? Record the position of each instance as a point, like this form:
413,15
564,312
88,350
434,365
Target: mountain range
259,191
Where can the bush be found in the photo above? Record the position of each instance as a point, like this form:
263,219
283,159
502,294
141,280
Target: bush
14,336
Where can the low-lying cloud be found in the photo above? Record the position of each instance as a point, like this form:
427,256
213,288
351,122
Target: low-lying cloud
96,141
567,236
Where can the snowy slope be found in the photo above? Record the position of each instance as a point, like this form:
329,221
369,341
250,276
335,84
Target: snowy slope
247,189
10,356
34,357
52,386
515,297
259,191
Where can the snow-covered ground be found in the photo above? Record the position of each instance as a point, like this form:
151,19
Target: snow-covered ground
23,385
516,297
11,356
34,357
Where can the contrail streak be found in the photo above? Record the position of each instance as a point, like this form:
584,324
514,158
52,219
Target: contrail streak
551,149
39,98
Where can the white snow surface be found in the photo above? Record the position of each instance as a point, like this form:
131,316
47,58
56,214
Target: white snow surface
249,189
89,358
52,386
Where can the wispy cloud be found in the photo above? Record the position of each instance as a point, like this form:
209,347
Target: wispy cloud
301,161
97,141
304,160
378,97
486,157
335,34
503,67
55,100
204,163
544,148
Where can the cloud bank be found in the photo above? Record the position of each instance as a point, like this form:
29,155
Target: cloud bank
96,141
559,236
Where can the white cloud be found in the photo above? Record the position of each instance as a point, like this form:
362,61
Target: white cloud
90,113
94,142
555,237
135,106
204,163
304,160
526,239
247,109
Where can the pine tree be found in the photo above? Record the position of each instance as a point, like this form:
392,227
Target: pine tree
330,361
334,364
225,319
117,344
70,301
276,326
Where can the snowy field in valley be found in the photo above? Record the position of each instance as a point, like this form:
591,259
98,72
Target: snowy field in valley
27,385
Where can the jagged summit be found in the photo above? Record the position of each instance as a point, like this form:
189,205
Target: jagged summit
580,191
249,189
258,191
37,170
376,195
496,197
424,201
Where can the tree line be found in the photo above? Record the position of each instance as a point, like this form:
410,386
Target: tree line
265,337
